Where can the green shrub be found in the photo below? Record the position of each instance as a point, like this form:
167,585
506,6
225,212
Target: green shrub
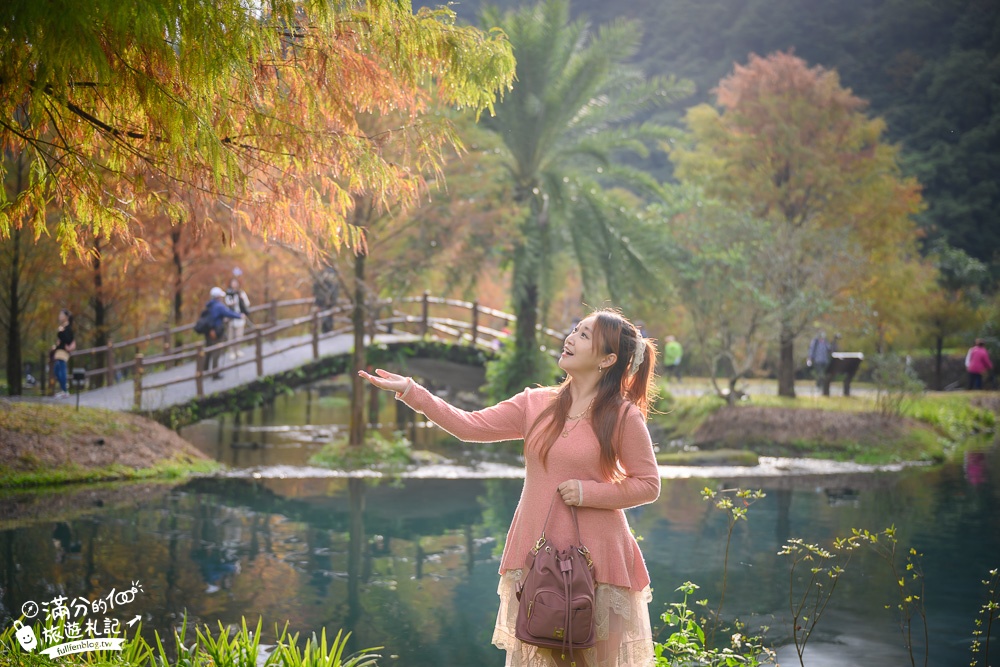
895,384
513,370
985,619
953,416
206,649
378,453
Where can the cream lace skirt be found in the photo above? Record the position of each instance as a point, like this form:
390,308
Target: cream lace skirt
624,635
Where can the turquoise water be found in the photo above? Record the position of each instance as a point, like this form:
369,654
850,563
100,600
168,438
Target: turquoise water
411,565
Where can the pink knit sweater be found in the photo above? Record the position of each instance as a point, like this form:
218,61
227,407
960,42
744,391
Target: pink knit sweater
603,527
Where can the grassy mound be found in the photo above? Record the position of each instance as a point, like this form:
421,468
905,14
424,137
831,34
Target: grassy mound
42,444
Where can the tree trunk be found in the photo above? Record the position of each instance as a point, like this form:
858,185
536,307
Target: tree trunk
267,280
732,396
14,361
100,307
938,354
786,363
526,309
358,362
528,274
178,260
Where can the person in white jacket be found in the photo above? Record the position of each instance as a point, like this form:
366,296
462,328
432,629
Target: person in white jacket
237,301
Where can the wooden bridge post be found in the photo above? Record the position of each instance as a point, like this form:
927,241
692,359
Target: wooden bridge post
109,372
167,345
425,313
475,322
315,334
137,383
258,345
199,370
273,318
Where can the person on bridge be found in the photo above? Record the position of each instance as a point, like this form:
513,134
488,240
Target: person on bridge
237,301
218,313
587,440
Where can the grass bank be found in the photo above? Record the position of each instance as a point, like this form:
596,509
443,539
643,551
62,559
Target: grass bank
928,427
43,444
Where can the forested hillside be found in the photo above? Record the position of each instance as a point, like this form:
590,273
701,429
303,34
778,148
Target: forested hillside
929,67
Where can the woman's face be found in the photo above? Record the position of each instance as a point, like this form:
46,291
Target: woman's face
234,284
579,353
63,320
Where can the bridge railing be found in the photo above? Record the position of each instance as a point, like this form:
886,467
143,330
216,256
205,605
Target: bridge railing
481,326
201,353
119,357
465,322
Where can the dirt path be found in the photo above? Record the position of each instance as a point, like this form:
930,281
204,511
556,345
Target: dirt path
736,425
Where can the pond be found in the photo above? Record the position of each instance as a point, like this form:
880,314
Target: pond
411,564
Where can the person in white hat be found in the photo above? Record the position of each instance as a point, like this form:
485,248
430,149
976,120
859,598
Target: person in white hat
216,313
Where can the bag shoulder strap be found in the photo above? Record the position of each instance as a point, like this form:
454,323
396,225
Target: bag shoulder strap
579,539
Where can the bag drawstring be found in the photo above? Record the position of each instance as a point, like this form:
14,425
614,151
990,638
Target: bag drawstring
568,591
566,567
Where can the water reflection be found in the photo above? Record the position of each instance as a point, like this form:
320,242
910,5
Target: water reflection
412,565
287,432
976,468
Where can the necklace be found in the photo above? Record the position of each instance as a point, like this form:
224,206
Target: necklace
576,420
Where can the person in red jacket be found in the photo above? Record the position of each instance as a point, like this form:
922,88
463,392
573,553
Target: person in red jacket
978,363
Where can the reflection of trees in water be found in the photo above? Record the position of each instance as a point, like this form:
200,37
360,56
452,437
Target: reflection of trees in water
216,543
814,508
355,553
171,571
404,564
64,541
783,524
498,504
219,549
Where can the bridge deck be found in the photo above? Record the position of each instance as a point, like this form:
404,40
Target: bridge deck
120,396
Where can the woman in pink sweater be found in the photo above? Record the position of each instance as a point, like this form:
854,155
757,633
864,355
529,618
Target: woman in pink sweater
587,440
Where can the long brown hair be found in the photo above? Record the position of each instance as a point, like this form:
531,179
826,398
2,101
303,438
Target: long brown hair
612,333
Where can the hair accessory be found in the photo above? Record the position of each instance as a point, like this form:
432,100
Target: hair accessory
638,356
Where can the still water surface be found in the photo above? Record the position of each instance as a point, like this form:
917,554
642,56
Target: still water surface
411,564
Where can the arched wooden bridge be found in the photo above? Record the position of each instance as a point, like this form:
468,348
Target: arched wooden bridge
150,372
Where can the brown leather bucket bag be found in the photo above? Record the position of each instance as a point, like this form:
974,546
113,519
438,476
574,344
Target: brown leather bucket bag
556,596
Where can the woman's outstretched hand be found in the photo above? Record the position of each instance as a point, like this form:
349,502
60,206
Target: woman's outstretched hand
386,380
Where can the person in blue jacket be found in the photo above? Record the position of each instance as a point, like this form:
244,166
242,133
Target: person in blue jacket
219,313
820,354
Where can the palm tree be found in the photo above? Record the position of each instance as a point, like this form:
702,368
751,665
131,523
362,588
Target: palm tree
575,110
